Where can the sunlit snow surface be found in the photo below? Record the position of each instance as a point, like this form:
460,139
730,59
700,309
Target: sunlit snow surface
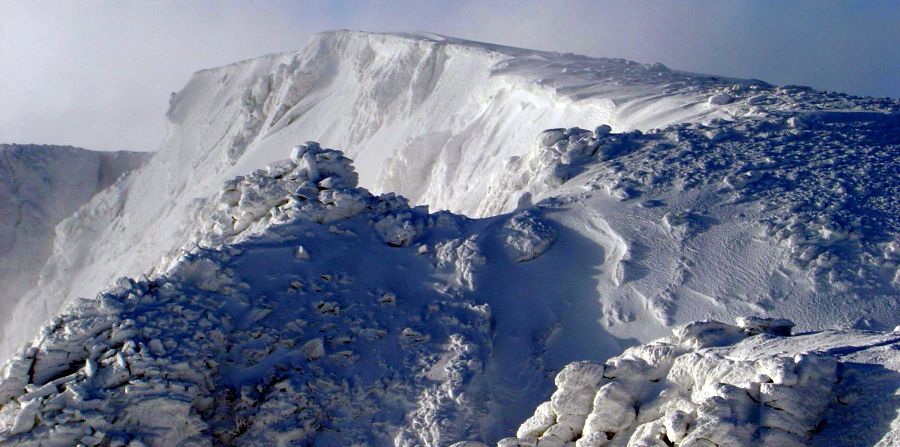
292,306
436,120
717,384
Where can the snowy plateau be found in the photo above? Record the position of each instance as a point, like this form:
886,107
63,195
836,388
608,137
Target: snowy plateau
397,239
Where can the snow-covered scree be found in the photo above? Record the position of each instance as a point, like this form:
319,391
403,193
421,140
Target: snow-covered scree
433,118
304,310
714,384
39,187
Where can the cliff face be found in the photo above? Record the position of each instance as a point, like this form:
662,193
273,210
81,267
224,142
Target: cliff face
39,187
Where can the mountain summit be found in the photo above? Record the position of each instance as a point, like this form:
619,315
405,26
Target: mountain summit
587,207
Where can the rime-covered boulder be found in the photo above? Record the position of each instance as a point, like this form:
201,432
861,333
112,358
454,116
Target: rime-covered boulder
716,384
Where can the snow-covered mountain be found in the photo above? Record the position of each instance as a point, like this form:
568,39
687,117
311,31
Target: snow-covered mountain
433,118
311,312
39,187
292,306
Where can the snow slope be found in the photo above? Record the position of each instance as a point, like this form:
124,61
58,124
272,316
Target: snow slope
306,310
426,117
737,198
793,214
39,187
433,118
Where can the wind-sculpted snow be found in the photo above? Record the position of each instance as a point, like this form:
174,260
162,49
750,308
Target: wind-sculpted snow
528,235
305,309
829,183
432,118
714,384
807,199
293,306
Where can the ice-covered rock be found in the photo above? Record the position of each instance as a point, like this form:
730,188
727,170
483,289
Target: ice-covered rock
394,325
447,122
244,339
237,118
527,235
461,256
709,384
279,193
720,99
757,325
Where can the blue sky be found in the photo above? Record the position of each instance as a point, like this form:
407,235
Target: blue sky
98,73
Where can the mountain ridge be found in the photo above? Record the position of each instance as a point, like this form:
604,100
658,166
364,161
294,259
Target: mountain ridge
284,306
442,143
609,203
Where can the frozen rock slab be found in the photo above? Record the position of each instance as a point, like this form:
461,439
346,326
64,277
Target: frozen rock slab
720,99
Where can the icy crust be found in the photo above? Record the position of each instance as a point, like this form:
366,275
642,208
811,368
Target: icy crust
556,156
823,183
708,384
194,357
315,184
306,310
319,183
